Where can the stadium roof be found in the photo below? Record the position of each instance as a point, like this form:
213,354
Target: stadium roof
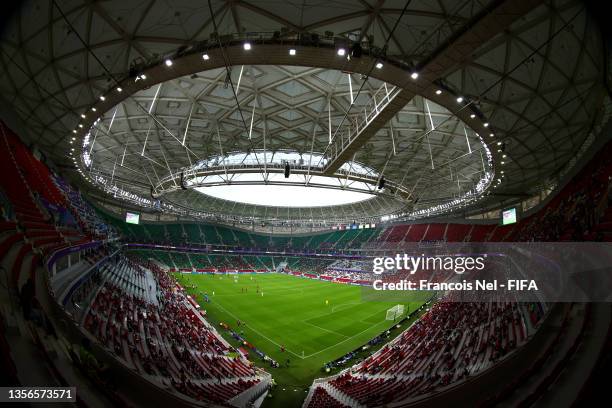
529,74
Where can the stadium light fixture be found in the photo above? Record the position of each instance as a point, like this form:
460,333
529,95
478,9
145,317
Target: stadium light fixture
246,46
205,57
341,52
292,51
168,62
459,99
414,75
379,65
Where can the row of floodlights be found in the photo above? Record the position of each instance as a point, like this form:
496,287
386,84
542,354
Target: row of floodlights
247,46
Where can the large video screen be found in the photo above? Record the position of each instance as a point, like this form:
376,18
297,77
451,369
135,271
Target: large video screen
132,218
509,216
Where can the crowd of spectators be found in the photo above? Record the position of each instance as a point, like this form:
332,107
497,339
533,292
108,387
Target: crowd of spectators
142,316
451,341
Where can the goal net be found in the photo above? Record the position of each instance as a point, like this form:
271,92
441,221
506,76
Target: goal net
395,312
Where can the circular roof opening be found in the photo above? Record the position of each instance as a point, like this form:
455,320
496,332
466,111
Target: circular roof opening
285,116
284,195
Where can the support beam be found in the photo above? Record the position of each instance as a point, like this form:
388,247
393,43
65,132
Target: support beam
450,55
359,137
458,49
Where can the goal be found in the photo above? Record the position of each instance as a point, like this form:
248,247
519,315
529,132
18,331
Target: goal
395,312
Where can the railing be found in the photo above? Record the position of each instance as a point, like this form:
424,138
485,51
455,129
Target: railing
358,122
84,276
62,252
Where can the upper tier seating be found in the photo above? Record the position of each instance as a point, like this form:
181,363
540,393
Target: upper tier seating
32,229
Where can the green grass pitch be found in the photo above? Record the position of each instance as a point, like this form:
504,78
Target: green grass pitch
292,312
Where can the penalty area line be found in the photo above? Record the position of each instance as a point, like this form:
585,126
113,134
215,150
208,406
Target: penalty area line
344,341
337,307
324,329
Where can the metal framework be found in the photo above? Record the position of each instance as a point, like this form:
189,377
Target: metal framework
161,135
532,72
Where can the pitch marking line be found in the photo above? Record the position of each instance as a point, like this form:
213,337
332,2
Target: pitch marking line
344,341
334,308
315,353
323,328
295,354
259,333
